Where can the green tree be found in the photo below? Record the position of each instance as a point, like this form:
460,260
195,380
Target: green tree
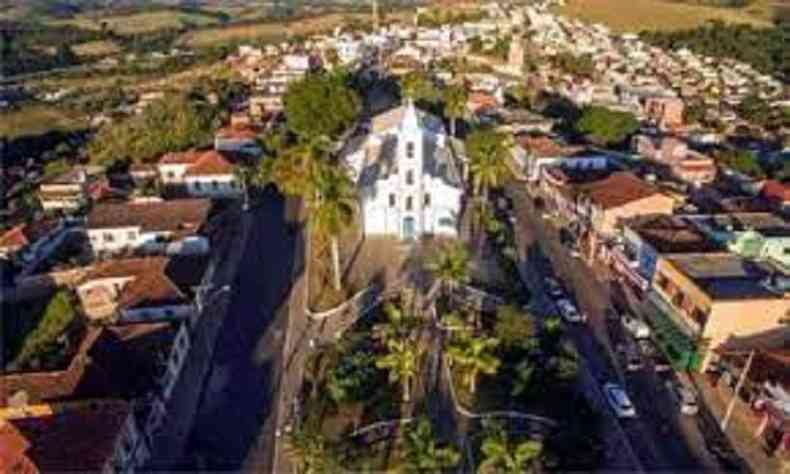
524,380
332,210
755,110
450,264
321,105
488,152
45,341
473,355
570,63
742,161
311,451
503,455
605,126
401,362
172,124
423,454
418,86
455,97
400,325
694,112
513,327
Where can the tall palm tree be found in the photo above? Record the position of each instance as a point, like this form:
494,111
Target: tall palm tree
450,264
400,325
401,361
423,454
504,455
311,452
455,97
488,152
473,355
332,209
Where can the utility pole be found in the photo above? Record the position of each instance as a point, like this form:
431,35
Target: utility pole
725,421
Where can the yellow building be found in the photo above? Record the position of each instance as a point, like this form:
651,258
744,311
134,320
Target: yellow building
704,299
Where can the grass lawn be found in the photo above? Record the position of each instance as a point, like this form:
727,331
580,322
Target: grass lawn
638,15
95,48
37,119
144,22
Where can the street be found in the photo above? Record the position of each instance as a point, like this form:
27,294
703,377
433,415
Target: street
236,422
661,438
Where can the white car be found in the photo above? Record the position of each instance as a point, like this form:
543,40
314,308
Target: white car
684,397
636,327
554,288
619,401
569,312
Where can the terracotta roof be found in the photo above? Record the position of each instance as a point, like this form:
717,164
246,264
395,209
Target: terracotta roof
12,451
180,158
149,287
545,147
210,163
24,234
478,101
175,215
618,190
237,133
79,438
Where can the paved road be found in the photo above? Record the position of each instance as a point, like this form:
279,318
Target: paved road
235,426
660,438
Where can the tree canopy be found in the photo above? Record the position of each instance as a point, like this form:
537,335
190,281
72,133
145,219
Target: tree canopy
172,124
605,126
321,105
742,161
417,86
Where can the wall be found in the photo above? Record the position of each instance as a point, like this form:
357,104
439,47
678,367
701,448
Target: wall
222,186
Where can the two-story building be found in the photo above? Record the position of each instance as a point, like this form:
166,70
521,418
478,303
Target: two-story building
198,173
151,226
141,289
65,192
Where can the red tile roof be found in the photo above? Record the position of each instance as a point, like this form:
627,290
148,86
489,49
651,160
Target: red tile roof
12,451
618,190
177,215
545,147
210,163
150,286
25,234
237,132
76,438
180,158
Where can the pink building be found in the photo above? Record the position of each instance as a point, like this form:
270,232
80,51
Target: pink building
666,112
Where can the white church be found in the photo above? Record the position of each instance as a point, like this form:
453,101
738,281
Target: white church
405,170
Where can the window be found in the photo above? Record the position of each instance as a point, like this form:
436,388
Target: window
408,203
171,175
427,200
410,150
662,281
392,200
699,317
787,250
197,184
108,237
214,184
410,177
131,235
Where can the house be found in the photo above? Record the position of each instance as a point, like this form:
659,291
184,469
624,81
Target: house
141,289
28,243
237,139
702,300
664,112
534,153
645,239
171,227
199,174
676,158
406,174
65,192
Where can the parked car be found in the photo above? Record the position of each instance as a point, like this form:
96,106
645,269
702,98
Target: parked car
569,312
554,288
661,363
639,329
684,397
619,401
633,361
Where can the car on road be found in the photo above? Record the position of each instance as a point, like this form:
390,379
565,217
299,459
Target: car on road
554,288
619,401
569,312
639,329
683,396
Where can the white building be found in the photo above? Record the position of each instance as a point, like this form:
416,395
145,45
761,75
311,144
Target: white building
407,177
199,174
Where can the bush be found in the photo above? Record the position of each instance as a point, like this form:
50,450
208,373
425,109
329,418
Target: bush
605,126
44,339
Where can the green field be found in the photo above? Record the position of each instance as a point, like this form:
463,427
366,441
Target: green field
638,15
144,22
37,119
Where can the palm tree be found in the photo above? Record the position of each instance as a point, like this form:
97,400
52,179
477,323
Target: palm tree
503,455
332,209
450,264
455,98
488,152
401,361
474,355
311,452
422,452
245,175
400,325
